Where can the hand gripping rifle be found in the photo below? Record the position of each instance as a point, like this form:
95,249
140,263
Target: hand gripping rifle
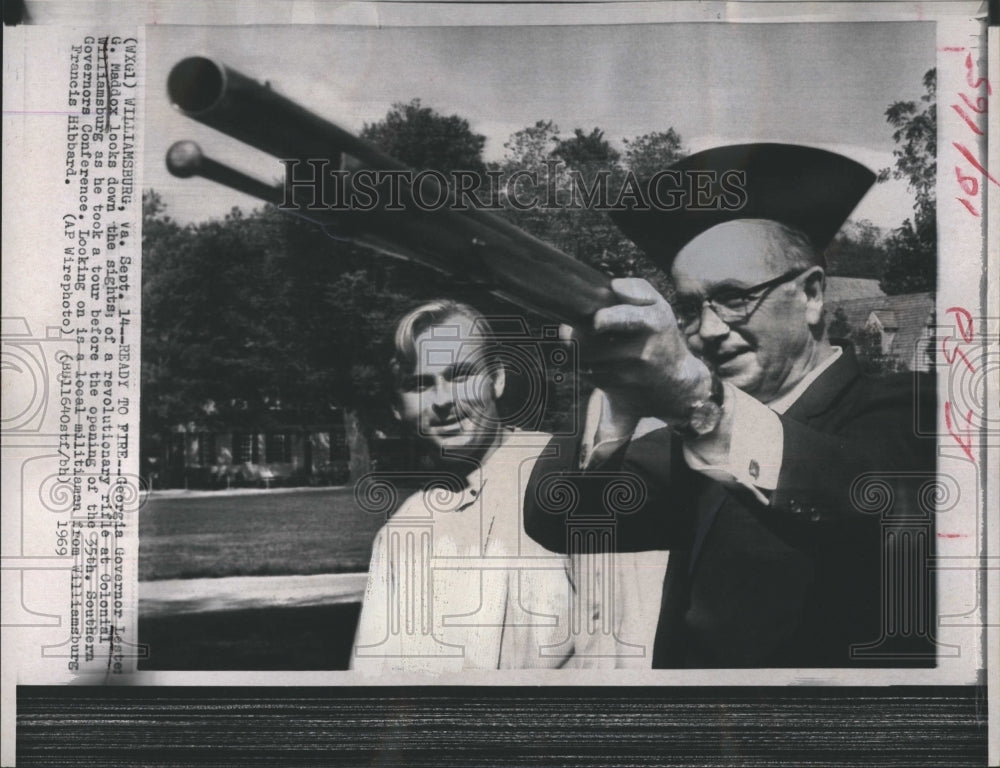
472,244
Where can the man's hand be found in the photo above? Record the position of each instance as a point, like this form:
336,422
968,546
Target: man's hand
636,353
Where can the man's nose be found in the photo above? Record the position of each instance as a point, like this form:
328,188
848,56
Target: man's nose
711,325
443,395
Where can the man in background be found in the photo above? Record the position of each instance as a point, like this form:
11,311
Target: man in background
454,582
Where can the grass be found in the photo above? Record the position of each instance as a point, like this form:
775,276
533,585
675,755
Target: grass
276,533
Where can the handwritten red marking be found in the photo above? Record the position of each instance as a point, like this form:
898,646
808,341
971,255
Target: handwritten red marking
958,352
964,320
965,445
966,329
979,107
968,184
953,535
971,158
968,205
968,120
968,76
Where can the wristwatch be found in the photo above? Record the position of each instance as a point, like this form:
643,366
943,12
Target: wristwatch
705,415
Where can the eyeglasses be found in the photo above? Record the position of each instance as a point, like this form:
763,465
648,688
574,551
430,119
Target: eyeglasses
733,306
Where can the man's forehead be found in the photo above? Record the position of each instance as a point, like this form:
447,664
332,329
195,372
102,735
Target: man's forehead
447,343
735,252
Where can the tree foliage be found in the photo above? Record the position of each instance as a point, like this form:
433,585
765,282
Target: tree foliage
586,151
255,320
426,139
581,160
859,250
652,152
912,265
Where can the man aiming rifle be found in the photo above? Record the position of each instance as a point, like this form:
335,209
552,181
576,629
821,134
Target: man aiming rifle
772,432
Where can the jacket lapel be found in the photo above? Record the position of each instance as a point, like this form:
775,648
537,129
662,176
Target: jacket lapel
826,389
817,399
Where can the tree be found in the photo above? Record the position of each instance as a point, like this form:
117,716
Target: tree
426,139
257,322
586,151
528,159
586,233
423,138
871,359
912,263
859,250
530,147
652,152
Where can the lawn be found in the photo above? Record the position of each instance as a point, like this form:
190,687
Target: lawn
273,533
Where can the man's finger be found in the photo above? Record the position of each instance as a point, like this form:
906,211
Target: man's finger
629,318
635,290
616,351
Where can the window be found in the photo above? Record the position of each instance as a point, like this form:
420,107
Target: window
245,448
278,447
206,448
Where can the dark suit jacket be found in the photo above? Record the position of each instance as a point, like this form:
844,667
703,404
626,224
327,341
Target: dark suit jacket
834,572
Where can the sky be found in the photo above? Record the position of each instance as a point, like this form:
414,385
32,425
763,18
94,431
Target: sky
823,84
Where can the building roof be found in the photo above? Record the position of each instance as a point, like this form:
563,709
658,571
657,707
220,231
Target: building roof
846,288
907,314
886,318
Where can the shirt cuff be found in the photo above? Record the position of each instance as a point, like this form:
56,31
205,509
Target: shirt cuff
592,451
749,455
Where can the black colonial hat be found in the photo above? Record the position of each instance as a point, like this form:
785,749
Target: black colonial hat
805,188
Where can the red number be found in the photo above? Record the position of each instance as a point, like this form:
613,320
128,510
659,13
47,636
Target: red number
968,76
966,445
971,158
980,105
968,120
964,320
968,184
956,353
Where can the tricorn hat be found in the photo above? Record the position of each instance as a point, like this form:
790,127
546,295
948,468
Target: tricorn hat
808,189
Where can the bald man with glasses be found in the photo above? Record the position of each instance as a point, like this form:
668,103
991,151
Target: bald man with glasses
771,434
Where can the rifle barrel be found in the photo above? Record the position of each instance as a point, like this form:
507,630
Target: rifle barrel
472,243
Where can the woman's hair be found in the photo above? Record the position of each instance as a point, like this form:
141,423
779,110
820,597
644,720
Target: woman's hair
419,319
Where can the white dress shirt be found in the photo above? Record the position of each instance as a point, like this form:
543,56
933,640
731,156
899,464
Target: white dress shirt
455,583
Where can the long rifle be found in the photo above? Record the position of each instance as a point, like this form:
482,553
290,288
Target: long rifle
472,243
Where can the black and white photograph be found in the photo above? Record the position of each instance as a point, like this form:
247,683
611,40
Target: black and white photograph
592,483
470,356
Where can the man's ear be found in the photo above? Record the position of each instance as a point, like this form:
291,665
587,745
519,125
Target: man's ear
815,290
499,381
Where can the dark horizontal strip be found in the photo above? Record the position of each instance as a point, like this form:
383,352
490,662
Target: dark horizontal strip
455,726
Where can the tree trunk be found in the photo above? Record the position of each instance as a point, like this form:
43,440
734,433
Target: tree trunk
360,462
